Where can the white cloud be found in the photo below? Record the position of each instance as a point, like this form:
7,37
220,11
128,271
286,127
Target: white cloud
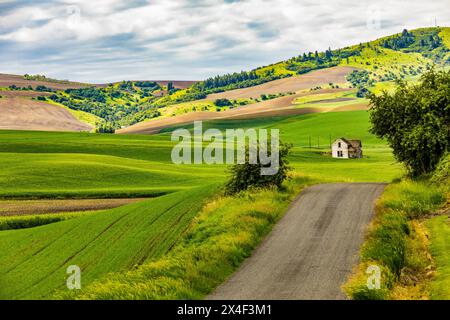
108,40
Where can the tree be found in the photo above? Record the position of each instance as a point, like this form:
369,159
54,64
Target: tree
415,120
105,127
245,176
223,103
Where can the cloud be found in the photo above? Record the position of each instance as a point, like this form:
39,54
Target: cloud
188,39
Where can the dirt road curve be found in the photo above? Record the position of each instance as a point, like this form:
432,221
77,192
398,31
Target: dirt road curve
311,251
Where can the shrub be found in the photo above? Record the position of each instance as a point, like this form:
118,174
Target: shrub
223,103
244,176
105,128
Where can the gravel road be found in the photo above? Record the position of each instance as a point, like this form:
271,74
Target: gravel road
311,251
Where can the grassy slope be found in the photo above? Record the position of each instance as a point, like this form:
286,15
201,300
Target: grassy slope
221,237
86,165
55,164
378,163
40,164
33,261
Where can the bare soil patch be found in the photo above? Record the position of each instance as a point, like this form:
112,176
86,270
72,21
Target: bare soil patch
29,207
20,113
7,80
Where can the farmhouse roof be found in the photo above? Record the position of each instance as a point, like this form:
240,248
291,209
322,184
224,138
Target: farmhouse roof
352,143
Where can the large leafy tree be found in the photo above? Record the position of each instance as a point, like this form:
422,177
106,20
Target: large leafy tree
415,120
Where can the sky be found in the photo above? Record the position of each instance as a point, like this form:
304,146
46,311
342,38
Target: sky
102,41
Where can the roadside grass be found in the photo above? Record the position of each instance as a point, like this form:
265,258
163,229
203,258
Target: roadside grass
397,243
439,228
33,261
220,238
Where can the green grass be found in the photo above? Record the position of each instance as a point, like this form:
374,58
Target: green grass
30,221
80,165
76,165
222,236
393,242
49,165
33,261
439,229
378,164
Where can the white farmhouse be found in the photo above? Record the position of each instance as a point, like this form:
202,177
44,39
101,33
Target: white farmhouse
346,149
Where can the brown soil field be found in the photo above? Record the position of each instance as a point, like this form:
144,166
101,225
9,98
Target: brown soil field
28,207
292,84
179,84
7,80
19,112
282,106
22,94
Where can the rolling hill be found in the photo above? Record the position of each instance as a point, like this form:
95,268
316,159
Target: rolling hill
129,105
26,102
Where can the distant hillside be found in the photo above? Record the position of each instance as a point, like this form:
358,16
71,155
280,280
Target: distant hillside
371,66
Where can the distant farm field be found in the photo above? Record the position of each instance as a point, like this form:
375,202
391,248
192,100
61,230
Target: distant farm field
19,112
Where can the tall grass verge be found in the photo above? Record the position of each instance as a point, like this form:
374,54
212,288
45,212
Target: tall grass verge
396,242
220,238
